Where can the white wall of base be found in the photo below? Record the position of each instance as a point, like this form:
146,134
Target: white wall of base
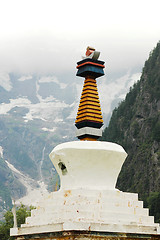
92,203
109,211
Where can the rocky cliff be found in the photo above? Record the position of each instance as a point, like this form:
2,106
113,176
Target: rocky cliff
135,125
37,112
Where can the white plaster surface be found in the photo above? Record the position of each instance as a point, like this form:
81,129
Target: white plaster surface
89,164
87,199
89,130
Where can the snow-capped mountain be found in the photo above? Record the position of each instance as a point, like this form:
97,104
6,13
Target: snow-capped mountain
36,114
48,99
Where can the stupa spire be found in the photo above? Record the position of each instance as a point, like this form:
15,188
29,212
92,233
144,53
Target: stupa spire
89,117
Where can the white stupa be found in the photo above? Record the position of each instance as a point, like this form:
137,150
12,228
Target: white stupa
88,199
88,204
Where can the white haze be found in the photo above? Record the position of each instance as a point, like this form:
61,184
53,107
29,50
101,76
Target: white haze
45,36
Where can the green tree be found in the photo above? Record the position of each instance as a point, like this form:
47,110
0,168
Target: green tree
153,202
21,212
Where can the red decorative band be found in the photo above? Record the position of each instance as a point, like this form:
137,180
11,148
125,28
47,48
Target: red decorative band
91,63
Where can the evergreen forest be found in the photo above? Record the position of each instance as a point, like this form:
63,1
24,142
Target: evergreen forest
135,124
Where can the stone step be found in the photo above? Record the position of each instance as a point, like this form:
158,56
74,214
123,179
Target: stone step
92,215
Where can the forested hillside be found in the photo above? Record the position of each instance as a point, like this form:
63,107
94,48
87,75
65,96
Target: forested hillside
135,125
37,112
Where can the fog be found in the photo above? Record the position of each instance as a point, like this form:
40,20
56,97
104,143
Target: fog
47,36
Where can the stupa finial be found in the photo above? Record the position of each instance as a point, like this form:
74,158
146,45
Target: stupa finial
89,117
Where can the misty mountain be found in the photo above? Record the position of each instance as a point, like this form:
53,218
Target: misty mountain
135,124
36,114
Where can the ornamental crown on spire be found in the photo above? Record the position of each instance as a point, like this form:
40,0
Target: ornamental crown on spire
89,117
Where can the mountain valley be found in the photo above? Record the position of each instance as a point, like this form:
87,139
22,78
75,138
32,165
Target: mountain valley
36,114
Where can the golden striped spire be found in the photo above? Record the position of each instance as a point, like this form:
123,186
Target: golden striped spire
89,107
89,117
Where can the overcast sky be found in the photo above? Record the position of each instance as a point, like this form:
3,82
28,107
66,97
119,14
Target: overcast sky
50,36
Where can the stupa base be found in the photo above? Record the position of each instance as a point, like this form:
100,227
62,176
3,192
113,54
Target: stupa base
88,210
88,206
87,235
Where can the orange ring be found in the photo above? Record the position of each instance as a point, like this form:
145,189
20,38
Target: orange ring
96,64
